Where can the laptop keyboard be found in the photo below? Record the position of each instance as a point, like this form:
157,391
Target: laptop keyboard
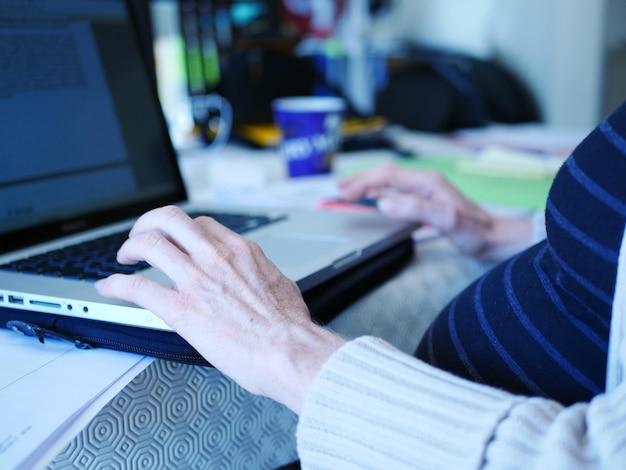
95,259
91,260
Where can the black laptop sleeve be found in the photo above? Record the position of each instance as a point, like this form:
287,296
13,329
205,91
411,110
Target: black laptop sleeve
325,302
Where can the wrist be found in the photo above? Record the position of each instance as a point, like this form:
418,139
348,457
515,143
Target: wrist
304,351
506,237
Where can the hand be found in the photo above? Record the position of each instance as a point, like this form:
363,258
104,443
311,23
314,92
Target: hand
428,197
227,300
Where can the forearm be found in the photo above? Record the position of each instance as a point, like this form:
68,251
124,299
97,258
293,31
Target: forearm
373,407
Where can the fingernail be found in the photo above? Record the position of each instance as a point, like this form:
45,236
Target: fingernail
387,205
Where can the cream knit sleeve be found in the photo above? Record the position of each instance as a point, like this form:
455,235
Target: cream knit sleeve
372,406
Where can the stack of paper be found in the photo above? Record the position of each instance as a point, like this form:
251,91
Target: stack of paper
49,392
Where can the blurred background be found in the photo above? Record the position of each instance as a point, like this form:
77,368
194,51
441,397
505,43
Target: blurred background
431,65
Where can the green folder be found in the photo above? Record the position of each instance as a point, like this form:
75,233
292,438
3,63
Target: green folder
491,185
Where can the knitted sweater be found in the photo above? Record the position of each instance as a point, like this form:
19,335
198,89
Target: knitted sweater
538,324
371,406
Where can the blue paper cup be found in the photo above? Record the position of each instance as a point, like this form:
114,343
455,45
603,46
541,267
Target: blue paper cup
311,128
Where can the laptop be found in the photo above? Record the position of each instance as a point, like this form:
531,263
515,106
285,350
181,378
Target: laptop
85,150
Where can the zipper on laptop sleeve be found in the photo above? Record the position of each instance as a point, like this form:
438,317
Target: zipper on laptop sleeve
194,359
90,342
36,331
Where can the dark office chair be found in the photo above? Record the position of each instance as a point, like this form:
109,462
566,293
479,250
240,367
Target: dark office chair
438,91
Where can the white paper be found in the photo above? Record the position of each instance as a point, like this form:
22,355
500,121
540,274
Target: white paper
45,388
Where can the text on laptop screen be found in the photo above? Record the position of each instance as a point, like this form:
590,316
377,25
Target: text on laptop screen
70,141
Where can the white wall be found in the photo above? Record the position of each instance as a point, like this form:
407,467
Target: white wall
454,24
555,46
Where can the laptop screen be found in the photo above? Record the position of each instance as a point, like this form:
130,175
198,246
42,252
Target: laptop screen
82,137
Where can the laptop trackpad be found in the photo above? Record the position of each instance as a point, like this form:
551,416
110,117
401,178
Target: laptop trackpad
293,250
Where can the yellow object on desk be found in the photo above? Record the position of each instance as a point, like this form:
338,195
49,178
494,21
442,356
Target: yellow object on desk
268,135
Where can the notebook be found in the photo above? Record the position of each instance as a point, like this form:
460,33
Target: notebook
85,150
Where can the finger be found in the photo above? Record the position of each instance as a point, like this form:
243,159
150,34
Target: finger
359,184
141,291
197,237
390,176
435,213
183,233
159,252
214,229
165,219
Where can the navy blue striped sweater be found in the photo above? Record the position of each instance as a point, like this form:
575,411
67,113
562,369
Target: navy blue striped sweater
538,323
